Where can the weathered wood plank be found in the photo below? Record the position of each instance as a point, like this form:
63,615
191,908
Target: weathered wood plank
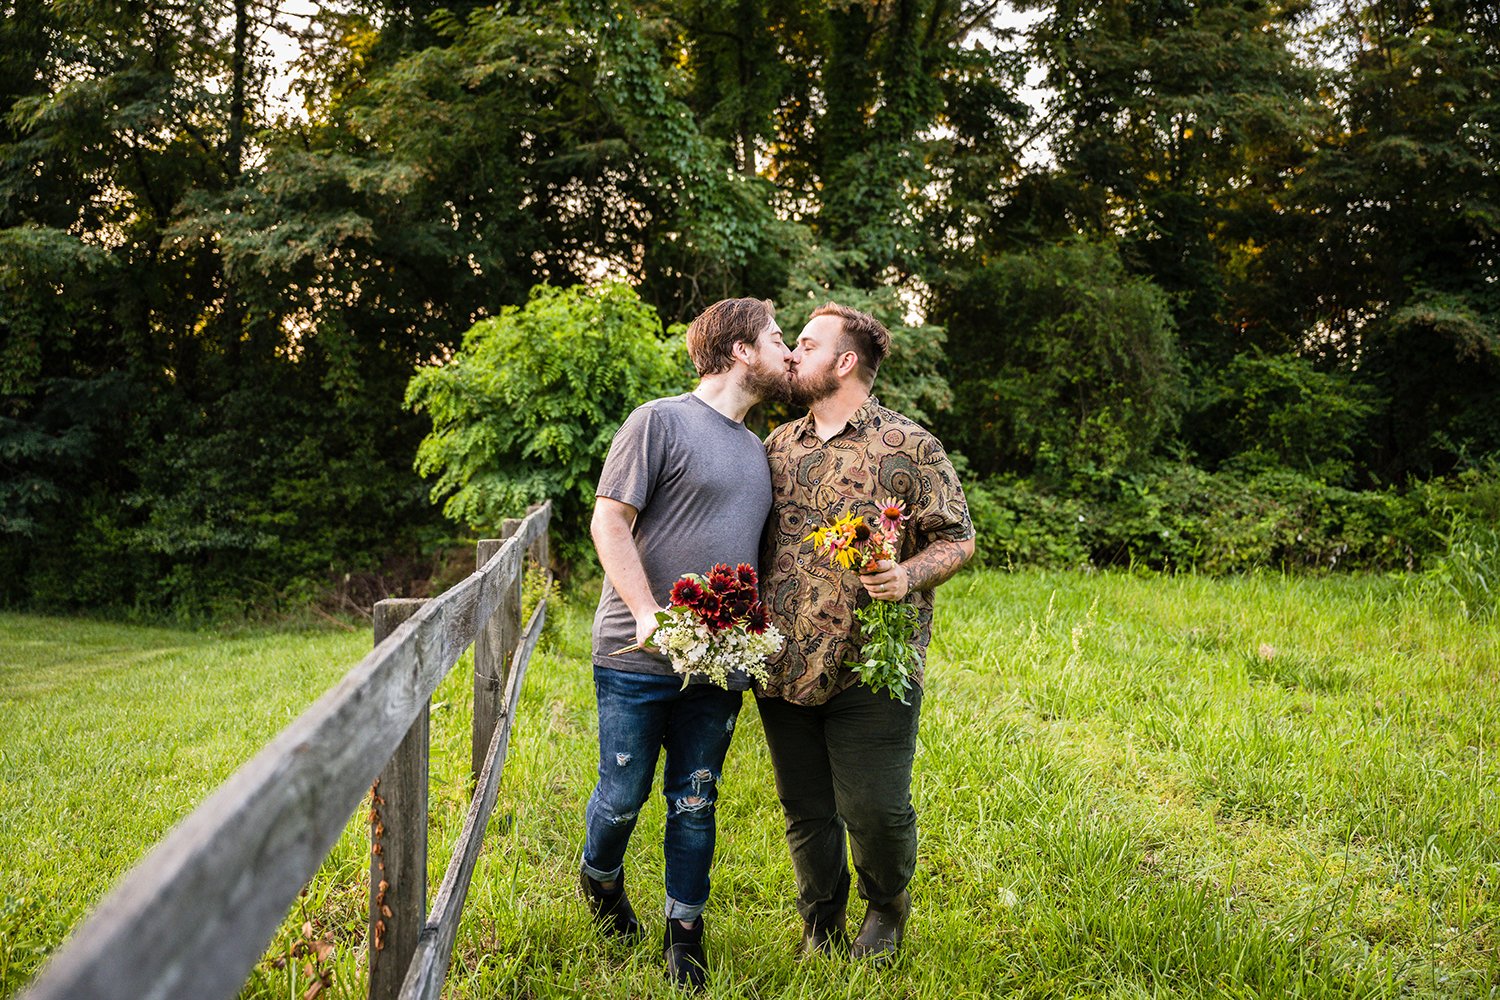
429,967
531,529
540,547
502,563
398,840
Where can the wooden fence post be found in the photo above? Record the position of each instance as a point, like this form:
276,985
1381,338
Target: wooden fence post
541,549
493,647
398,839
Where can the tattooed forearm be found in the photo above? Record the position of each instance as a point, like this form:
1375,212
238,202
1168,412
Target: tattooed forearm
936,563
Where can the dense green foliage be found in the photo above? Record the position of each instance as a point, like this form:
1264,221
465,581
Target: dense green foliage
1069,367
526,408
1254,240
1258,786
1171,515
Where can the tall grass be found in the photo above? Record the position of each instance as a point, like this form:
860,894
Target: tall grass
1126,787
1470,570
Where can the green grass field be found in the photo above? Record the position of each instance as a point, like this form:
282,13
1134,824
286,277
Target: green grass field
1127,787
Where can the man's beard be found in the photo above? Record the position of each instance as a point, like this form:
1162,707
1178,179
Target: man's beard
805,390
769,383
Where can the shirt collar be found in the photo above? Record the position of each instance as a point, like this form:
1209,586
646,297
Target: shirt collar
866,412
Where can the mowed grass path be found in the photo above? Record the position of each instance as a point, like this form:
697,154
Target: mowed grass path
1127,787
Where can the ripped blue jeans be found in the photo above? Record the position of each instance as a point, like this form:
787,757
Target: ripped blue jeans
640,714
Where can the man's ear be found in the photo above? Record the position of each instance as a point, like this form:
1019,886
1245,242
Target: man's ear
741,351
848,363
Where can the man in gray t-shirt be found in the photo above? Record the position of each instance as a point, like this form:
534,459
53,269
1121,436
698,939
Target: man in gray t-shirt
685,486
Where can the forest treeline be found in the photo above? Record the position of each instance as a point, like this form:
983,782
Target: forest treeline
1227,296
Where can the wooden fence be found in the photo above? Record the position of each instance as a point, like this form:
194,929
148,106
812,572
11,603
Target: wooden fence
197,913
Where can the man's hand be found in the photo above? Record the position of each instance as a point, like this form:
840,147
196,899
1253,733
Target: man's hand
886,580
645,627
891,581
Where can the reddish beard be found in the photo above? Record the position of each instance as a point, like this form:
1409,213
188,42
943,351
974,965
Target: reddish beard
807,389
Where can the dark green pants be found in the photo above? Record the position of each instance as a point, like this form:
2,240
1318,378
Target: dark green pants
842,766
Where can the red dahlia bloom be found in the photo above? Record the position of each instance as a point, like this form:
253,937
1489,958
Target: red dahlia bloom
687,593
757,620
746,574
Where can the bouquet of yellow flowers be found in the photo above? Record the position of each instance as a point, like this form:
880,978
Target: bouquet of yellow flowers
888,628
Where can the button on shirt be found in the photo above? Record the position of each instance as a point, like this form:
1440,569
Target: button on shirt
878,454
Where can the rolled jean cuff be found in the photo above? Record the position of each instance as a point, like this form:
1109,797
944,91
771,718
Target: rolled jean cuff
682,911
596,874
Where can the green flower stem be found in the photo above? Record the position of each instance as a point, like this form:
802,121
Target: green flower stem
888,631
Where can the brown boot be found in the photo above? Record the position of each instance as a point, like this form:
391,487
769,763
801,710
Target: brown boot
880,935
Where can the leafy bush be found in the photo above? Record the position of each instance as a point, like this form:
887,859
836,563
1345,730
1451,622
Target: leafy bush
1281,410
527,407
239,510
1175,516
1061,363
1019,524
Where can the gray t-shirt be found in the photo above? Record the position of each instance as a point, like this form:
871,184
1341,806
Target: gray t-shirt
702,488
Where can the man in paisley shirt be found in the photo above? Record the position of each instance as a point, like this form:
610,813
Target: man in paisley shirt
842,753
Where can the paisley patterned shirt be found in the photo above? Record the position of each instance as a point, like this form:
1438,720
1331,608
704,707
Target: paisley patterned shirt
878,454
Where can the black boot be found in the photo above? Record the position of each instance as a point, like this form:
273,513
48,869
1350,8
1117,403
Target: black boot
880,934
682,948
824,937
611,908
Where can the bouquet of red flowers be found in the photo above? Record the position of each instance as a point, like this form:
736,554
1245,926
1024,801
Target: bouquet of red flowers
887,628
716,626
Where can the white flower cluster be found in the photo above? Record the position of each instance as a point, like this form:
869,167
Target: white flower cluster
695,651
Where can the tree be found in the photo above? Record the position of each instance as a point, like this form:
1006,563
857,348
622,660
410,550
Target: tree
1179,126
893,110
1402,267
1282,410
123,112
527,407
203,321
1062,364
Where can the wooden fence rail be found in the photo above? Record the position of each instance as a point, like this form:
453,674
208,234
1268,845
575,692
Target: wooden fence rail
195,915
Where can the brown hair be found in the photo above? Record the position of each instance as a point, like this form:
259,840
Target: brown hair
712,336
862,333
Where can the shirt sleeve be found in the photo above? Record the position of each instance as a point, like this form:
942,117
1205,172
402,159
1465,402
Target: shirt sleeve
944,512
636,458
